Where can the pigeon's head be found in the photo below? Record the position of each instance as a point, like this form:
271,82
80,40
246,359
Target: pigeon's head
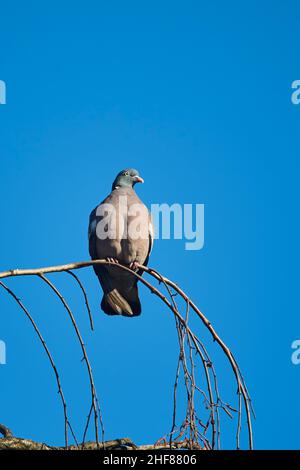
127,179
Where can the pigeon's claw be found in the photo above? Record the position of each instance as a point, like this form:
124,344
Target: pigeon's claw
112,260
134,266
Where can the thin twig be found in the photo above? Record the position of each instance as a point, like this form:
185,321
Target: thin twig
60,391
86,300
89,369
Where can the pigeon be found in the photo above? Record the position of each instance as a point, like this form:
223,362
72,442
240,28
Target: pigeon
121,231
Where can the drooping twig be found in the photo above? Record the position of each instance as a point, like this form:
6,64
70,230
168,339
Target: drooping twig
60,391
86,300
89,368
189,378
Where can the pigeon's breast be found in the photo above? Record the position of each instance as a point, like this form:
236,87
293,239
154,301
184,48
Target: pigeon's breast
121,227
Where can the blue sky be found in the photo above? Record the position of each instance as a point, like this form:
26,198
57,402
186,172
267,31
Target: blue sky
196,95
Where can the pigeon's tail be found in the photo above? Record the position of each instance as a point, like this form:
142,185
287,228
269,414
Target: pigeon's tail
128,305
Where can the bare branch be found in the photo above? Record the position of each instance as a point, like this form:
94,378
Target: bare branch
187,339
17,443
6,433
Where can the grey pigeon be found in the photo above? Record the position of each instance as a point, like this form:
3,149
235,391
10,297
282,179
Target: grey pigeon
120,230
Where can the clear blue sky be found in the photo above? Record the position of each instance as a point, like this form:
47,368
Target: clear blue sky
196,95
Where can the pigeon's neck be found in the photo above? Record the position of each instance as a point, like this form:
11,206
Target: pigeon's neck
123,189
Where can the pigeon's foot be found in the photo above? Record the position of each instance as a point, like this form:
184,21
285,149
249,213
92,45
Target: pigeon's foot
112,260
134,266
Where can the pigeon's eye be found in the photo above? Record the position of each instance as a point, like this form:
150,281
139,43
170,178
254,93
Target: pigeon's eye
126,173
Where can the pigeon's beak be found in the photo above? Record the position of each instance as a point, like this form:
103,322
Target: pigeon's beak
138,179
